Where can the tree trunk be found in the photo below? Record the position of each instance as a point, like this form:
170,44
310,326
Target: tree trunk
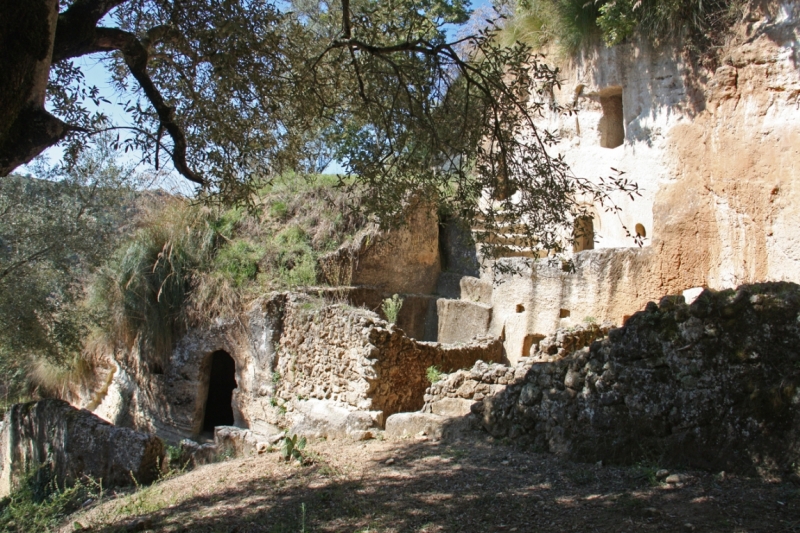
27,33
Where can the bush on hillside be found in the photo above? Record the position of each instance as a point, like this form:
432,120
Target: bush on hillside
187,264
572,23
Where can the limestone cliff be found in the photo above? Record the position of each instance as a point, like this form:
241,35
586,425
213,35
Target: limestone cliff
715,154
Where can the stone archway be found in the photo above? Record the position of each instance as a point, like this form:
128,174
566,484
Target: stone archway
218,409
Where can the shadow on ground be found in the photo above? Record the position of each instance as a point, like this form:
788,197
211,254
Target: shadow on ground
475,486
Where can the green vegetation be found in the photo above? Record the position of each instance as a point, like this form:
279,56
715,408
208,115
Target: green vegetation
39,504
434,374
391,308
292,447
186,263
54,232
570,24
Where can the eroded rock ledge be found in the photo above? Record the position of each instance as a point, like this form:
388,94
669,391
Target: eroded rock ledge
71,444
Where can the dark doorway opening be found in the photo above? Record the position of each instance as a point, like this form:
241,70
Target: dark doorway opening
221,382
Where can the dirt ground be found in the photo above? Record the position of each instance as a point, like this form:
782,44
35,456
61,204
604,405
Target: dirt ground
425,486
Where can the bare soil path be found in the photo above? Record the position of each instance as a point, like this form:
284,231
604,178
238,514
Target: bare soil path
423,486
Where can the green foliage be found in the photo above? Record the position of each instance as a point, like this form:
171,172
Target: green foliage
697,20
55,231
434,374
38,504
278,209
141,293
617,21
569,24
238,260
292,448
572,23
391,308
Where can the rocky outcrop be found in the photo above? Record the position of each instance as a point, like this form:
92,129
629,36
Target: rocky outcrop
73,443
405,260
287,349
713,149
711,385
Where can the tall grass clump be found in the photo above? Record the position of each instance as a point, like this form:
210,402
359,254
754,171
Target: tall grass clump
568,24
141,294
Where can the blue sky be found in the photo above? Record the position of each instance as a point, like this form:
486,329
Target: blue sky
97,75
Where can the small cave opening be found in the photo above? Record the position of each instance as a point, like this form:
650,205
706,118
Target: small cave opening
221,382
612,124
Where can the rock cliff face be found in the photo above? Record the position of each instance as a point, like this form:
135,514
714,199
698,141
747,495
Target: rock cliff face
714,385
715,154
72,443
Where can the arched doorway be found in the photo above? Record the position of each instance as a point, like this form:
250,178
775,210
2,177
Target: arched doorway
221,382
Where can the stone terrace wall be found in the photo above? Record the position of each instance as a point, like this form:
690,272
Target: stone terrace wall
348,355
486,379
711,385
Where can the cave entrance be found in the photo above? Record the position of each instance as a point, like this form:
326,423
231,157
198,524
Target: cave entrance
612,124
221,382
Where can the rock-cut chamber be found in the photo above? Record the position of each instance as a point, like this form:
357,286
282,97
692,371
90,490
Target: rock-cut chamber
221,382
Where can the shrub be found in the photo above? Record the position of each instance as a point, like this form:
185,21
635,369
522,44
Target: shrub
434,374
391,308
238,260
38,504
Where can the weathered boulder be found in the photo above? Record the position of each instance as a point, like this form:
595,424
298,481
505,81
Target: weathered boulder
74,443
241,442
461,321
321,418
413,424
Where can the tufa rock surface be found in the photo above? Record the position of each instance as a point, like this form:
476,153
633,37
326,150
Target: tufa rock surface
74,443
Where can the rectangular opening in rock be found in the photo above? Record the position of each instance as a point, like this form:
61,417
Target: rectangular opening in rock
612,128
221,382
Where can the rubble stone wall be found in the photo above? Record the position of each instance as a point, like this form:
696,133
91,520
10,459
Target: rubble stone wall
349,355
714,385
287,349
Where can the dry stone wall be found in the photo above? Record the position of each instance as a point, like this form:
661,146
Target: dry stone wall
714,385
349,355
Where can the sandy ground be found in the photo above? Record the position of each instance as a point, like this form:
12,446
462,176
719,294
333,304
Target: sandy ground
424,486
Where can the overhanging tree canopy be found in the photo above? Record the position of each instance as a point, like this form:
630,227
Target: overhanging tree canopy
235,90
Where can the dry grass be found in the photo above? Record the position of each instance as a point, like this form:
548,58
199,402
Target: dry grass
471,486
